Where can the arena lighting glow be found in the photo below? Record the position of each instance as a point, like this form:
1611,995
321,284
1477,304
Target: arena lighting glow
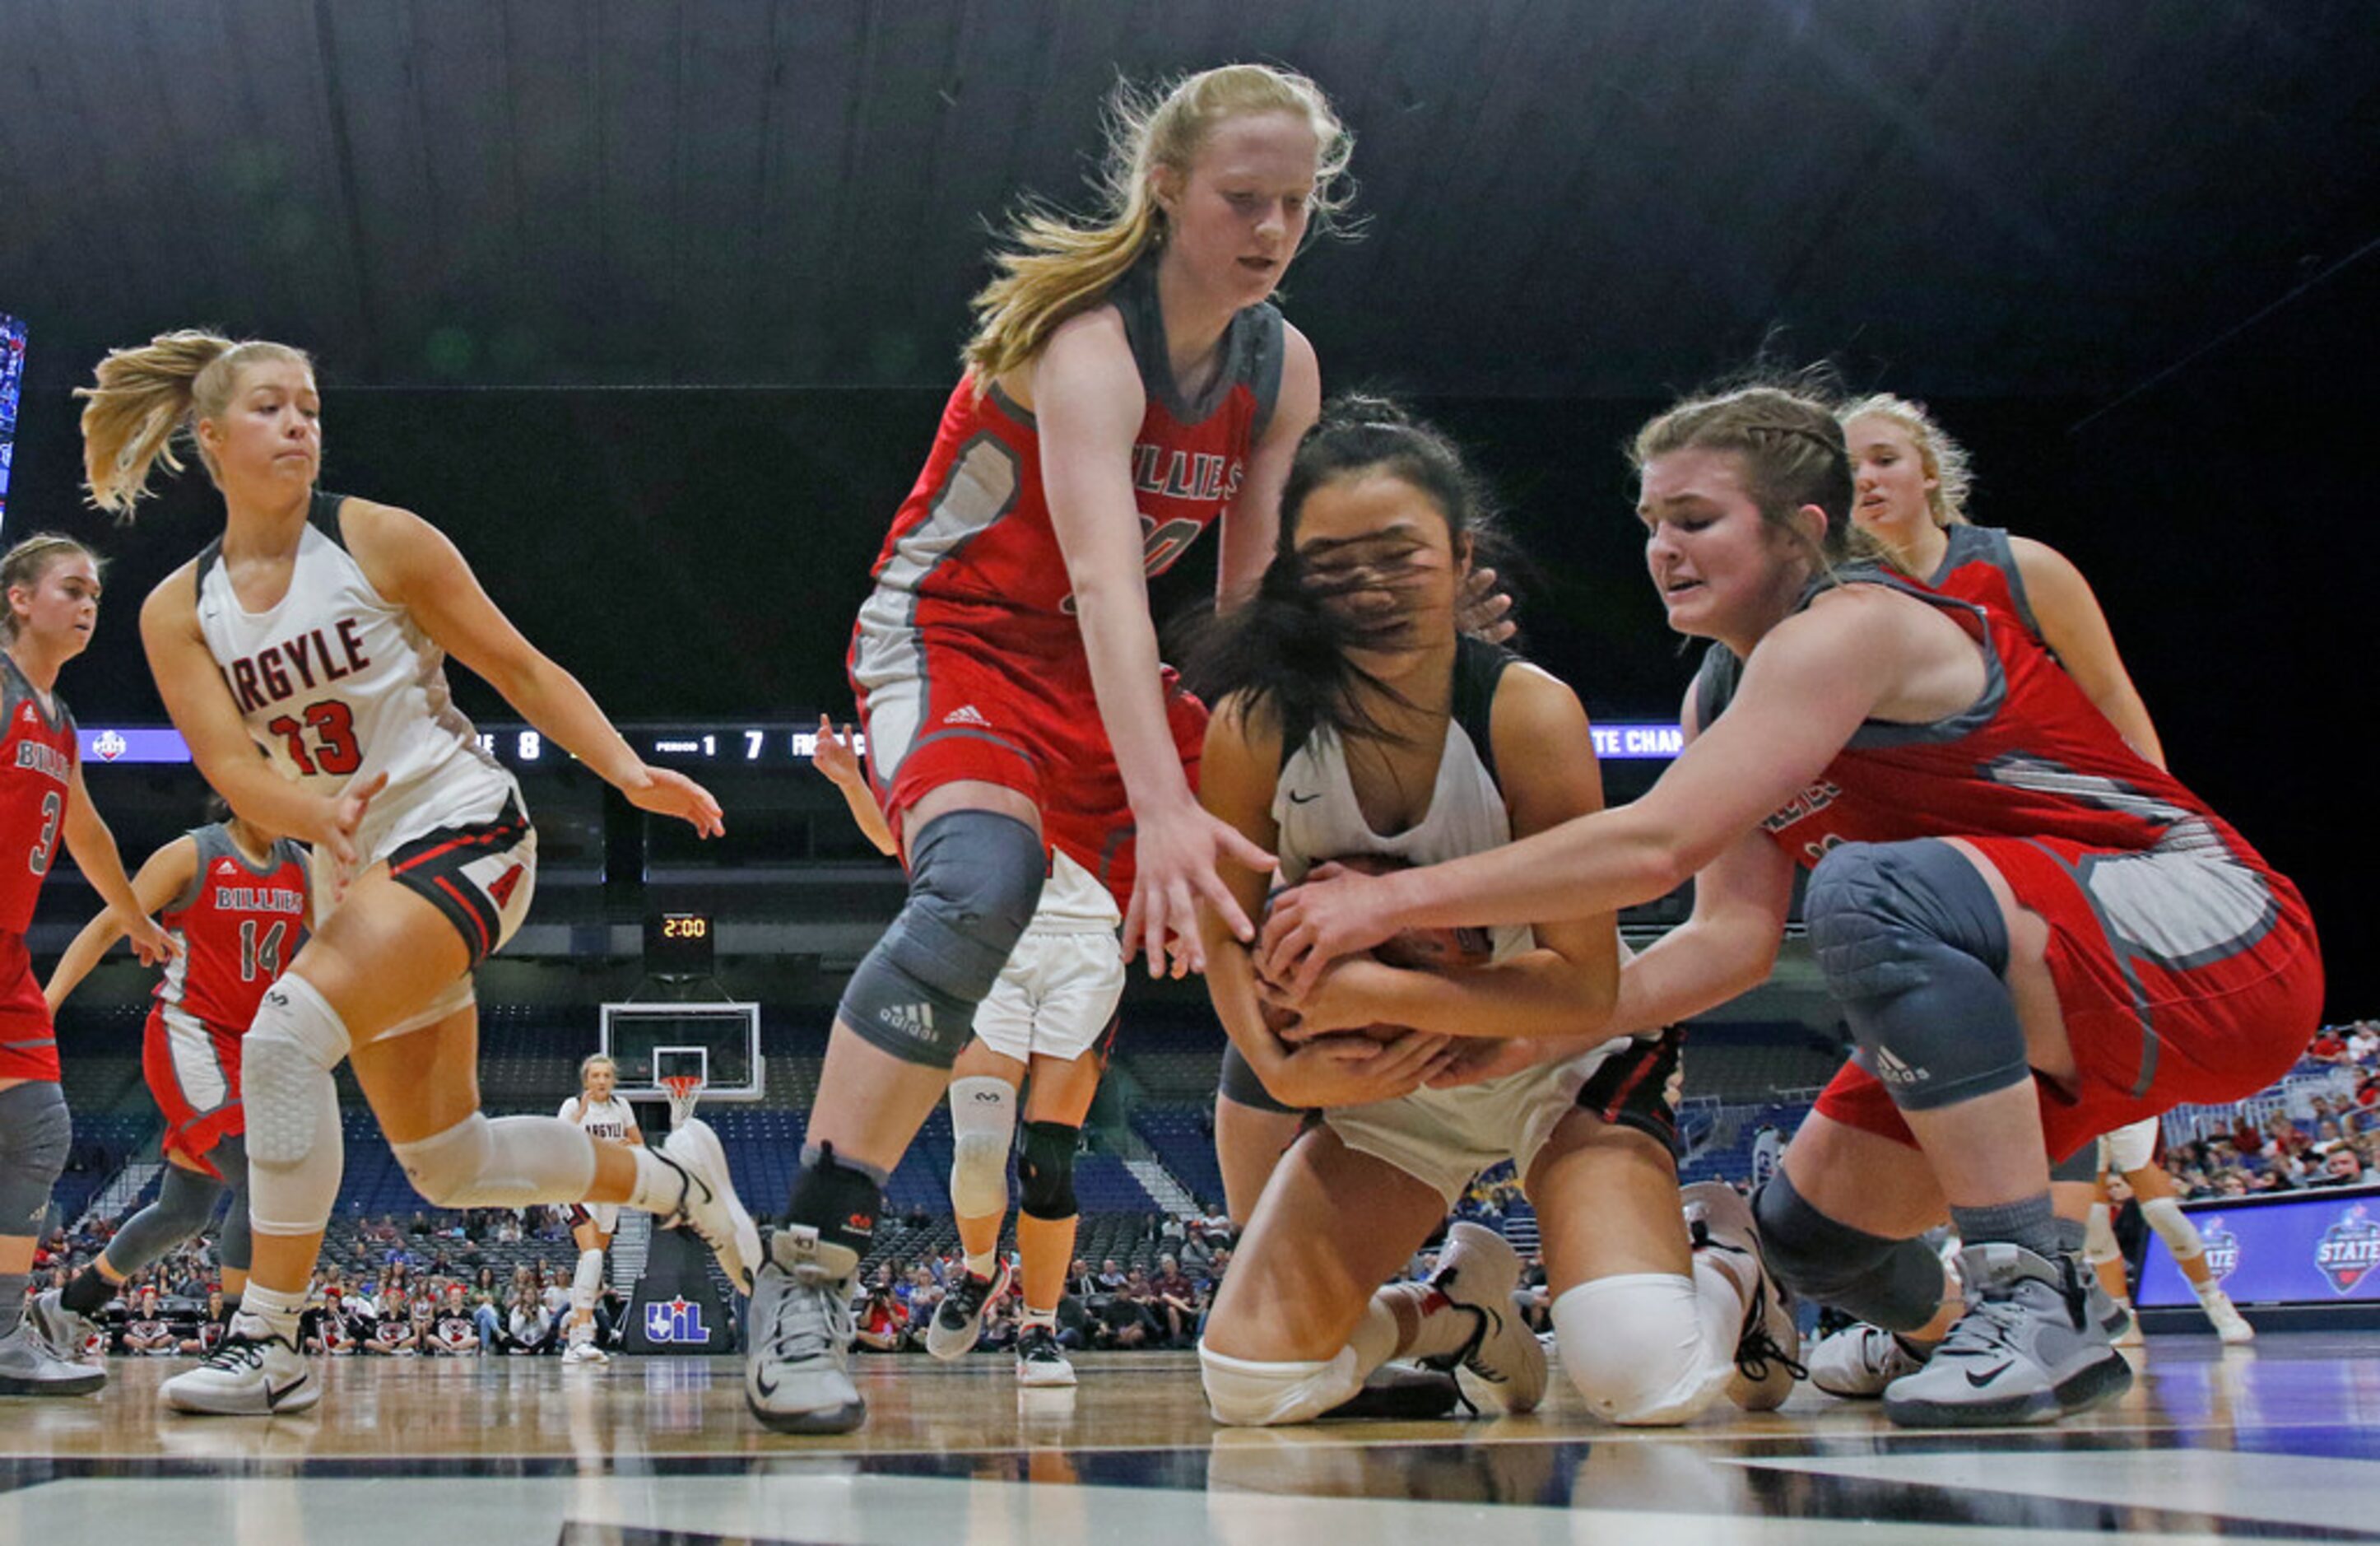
756,746
12,387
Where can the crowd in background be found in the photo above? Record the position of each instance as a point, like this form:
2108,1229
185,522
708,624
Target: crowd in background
2321,1129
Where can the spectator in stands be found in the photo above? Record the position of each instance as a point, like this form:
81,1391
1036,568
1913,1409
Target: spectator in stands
1080,1283
880,1327
393,1334
1174,1303
2363,1042
210,1327
1111,1277
146,1334
457,1332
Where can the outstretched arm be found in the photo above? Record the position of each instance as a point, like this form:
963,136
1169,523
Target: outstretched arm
2073,624
164,876
93,847
834,757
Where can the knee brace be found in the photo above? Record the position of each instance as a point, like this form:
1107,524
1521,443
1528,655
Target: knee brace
587,1282
1045,1171
2099,1235
235,1246
1243,1392
185,1205
1912,946
975,877
36,1130
2173,1226
1636,1347
296,1152
513,1161
1894,1283
983,1128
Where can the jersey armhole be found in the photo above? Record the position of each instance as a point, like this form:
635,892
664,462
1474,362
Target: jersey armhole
323,515
1478,669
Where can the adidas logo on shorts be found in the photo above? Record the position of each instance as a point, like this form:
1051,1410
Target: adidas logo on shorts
913,1020
967,713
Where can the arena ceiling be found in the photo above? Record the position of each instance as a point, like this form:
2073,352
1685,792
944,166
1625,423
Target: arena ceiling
1567,197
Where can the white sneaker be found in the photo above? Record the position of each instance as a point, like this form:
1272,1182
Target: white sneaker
1038,1361
585,1353
1768,1346
797,1373
2128,1332
710,1206
1478,1272
2229,1325
251,1373
1859,1361
27,1366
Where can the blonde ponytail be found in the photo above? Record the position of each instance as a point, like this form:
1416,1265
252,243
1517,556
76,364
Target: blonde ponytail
147,398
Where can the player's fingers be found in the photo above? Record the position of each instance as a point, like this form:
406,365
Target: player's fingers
1241,849
1189,948
1132,912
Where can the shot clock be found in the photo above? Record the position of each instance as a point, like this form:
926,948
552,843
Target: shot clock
679,944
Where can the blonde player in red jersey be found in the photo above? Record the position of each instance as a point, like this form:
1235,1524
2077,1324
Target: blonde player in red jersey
607,1119
51,586
1129,385
317,626
236,900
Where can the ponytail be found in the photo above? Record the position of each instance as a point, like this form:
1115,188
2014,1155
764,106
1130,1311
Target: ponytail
147,398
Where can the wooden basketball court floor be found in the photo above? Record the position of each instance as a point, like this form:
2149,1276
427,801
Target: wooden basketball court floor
2280,1441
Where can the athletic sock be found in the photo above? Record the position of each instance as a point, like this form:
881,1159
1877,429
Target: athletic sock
1047,1319
87,1292
983,1266
2028,1222
268,1313
12,1299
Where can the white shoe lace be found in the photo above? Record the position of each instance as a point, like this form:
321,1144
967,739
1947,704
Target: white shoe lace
811,1321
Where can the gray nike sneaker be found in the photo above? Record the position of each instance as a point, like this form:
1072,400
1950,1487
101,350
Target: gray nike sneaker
2027,1349
67,1334
797,1375
29,1368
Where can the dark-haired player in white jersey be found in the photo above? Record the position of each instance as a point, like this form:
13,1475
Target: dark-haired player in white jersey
606,1118
318,628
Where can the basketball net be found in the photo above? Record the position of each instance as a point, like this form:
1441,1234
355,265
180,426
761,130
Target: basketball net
683,1091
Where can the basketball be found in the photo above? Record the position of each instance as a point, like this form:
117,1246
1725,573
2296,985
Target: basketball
1457,949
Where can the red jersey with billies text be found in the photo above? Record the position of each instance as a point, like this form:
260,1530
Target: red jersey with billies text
37,765
973,551
1980,567
239,924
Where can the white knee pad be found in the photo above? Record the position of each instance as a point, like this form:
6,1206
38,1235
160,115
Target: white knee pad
983,1125
2099,1235
1637,1349
2173,1226
295,1151
1245,1393
587,1282
513,1161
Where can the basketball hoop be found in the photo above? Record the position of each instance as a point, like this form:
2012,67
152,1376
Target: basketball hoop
683,1091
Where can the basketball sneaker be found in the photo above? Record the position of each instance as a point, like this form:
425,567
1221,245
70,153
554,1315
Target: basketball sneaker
582,1349
27,1366
2027,1349
1768,1348
2229,1325
797,1375
68,1337
1039,1360
251,1373
709,1205
1859,1361
2126,1330
958,1320
1479,1270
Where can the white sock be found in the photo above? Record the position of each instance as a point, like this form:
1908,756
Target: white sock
661,1186
985,1265
274,1312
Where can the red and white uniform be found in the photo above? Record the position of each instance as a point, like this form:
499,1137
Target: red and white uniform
967,660
2187,967
1980,567
608,1122
37,764
239,924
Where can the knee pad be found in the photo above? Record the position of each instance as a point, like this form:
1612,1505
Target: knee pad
2099,1235
286,1063
1635,1347
1894,1283
36,1130
1045,1171
975,877
514,1162
587,1282
1243,1392
2173,1226
983,1128
1913,945
185,1205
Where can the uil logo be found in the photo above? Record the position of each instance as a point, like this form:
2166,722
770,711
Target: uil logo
676,1320
2222,1247
2349,1248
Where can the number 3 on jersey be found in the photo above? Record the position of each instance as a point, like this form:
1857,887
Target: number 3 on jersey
332,727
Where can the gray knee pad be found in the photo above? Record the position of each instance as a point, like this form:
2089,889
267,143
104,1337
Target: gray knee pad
2082,1167
975,877
233,1247
1912,945
185,1205
1045,1171
35,1132
1894,1283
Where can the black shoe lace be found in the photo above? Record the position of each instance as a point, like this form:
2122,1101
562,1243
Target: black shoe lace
1757,1356
235,1352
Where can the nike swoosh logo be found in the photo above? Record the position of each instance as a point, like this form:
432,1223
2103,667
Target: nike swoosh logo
273,1397
764,1384
1988,1375
1296,799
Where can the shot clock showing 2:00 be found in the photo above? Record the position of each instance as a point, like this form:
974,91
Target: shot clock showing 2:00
679,943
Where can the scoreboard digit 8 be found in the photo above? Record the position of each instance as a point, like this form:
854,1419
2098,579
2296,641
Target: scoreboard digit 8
679,944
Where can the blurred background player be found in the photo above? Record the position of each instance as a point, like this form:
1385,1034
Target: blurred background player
607,1119
2130,1152
236,900
50,586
